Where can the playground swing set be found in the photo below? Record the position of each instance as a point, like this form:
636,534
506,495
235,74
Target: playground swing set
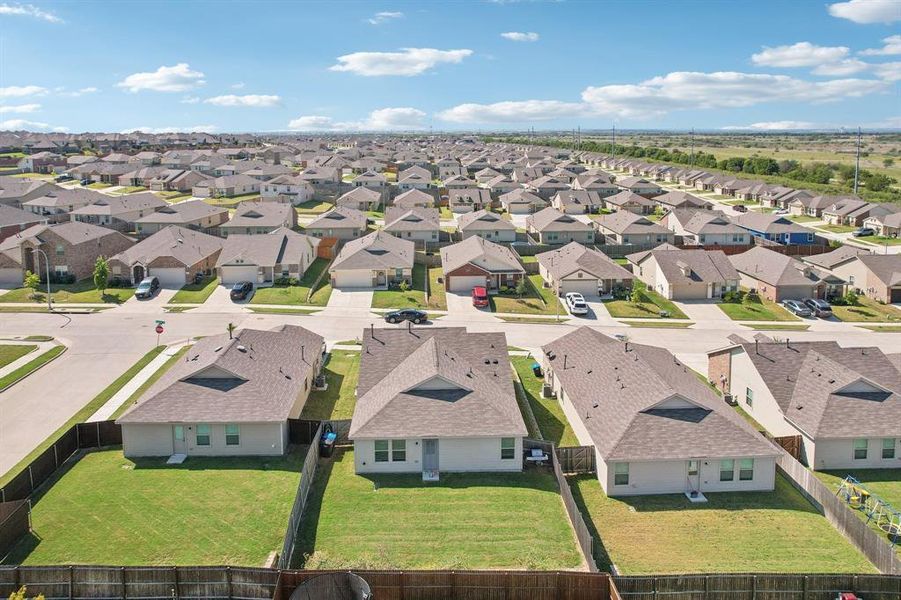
877,510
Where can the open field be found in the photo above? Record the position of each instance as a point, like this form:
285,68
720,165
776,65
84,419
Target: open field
106,509
465,521
337,402
775,531
297,294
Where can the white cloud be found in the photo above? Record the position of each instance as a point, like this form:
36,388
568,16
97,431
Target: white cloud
28,10
20,108
383,119
406,63
190,100
79,92
802,54
193,129
238,86
18,91
842,68
514,111
774,126
890,71
249,100
383,17
17,124
867,12
178,78
520,36
891,46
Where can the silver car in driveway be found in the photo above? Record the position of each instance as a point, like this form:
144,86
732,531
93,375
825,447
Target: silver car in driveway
796,307
819,308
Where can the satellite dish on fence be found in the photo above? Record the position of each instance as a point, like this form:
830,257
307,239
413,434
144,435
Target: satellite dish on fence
333,586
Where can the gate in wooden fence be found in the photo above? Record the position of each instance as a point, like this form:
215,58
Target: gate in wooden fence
577,459
791,444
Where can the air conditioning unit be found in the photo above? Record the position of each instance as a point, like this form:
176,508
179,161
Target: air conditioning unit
547,391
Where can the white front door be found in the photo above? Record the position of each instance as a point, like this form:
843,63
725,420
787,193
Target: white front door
430,455
179,445
694,476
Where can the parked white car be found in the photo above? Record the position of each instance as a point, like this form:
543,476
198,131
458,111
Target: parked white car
576,304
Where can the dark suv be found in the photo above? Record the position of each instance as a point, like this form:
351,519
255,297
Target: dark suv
147,288
241,290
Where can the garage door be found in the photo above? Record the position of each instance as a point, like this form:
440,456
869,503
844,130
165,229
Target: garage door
353,278
234,274
690,292
11,277
586,287
896,295
170,277
465,283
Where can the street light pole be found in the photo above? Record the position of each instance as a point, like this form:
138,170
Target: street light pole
47,268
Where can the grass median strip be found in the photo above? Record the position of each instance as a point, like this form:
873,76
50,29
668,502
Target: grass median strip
31,366
10,353
659,324
284,311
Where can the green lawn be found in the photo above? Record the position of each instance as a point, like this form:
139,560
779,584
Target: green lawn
836,228
780,327
756,311
465,521
80,292
531,302
659,324
337,402
412,298
196,293
651,308
885,483
150,381
537,321
528,259
804,218
106,509
548,412
297,294
879,240
445,213
883,328
284,311
866,310
31,366
10,353
312,207
775,531
131,189
98,185
437,293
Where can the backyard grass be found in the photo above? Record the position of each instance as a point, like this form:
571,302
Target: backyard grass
312,207
29,367
412,298
650,308
865,310
465,521
528,259
552,423
79,292
885,483
106,509
775,531
150,381
297,294
10,353
196,293
437,293
658,324
756,311
531,302
445,213
337,402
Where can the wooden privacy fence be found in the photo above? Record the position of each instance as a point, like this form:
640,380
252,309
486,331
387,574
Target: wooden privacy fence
577,459
303,431
78,437
869,542
790,443
760,586
307,473
15,522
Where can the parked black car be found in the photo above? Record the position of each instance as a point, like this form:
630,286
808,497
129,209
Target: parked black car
241,290
819,308
147,288
64,177
406,314
85,182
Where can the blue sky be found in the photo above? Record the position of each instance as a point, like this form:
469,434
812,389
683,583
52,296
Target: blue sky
481,65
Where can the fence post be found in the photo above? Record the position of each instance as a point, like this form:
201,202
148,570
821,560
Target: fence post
55,456
71,583
804,588
754,587
124,583
30,481
177,590
99,441
228,580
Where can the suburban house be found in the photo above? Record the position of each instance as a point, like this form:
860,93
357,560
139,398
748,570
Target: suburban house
843,402
640,186
418,224
623,227
501,185
118,212
15,220
413,199
575,202
546,186
876,276
261,259
259,217
341,222
628,201
360,198
655,427
522,202
71,248
553,227
685,274
850,211
193,214
477,262
435,399
16,191
231,396
376,260
486,224
173,254
140,177
776,228
468,199
677,200
812,206
414,178
226,186
575,268
287,188
885,225
370,179
779,277
176,180
705,227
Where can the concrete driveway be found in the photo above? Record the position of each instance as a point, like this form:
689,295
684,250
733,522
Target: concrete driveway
461,305
220,302
151,305
350,298
705,313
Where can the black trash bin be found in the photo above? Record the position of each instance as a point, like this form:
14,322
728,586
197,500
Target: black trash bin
327,441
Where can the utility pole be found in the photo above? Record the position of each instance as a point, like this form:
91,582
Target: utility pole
614,143
857,163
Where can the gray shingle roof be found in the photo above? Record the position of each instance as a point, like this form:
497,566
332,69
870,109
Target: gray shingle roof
574,256
479,251
399,219
183,212
341,217
276,247
484,220
185,245
260,214
551,219
378,250
778,269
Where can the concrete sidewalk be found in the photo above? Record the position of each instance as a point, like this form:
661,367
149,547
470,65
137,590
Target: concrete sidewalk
24,360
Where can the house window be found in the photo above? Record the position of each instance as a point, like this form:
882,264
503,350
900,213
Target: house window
746,469
61,269
888,448
727,470
621,474
398,450
860,449
508,448
60,250
398,273
810,237
232,435
203,435
381,451
749,397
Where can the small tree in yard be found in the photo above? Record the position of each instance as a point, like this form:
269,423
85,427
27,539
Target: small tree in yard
637,296
404,286
32,281
101,274
521,287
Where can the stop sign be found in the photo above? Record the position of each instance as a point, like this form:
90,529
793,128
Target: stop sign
159,329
